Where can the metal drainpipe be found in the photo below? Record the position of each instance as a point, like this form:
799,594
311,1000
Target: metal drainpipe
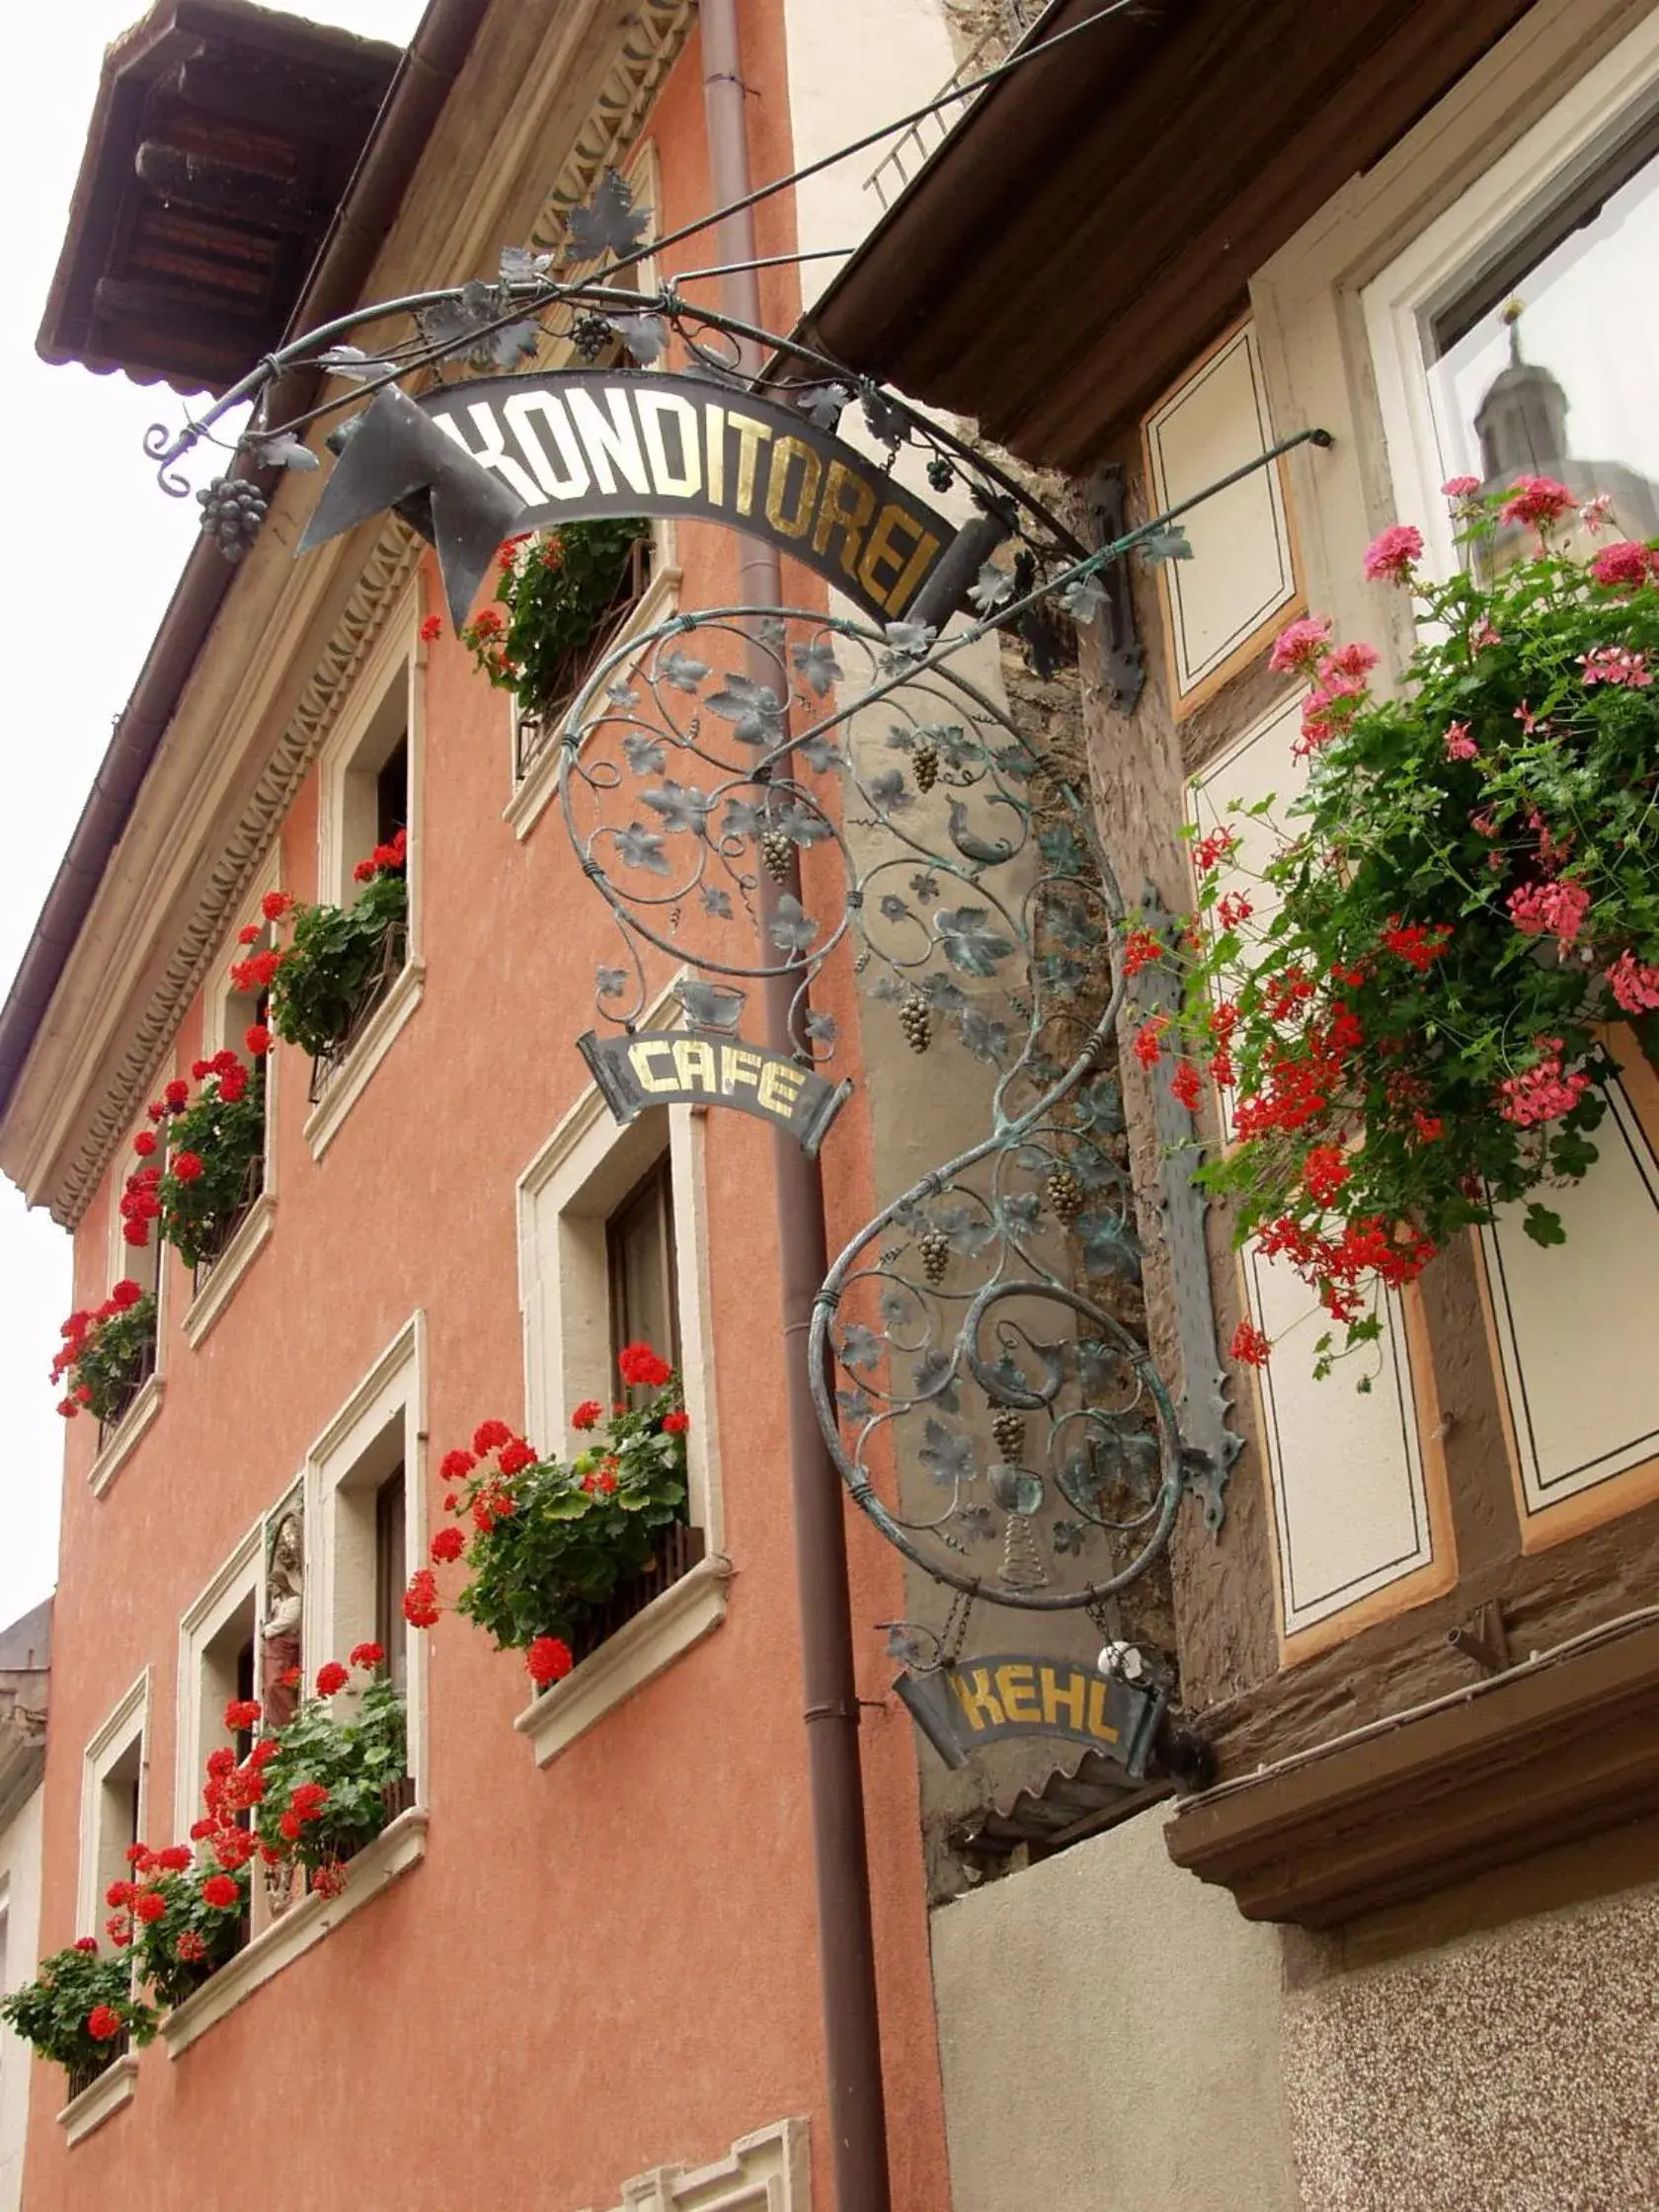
845,1940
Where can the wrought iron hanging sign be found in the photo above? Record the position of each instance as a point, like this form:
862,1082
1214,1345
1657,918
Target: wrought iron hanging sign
562,444
961,1707
683,1067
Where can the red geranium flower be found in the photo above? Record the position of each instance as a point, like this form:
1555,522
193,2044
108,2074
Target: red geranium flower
275,903
432,628
515,1456
549,1659
190,1947
257,1038
488,1435
119,1895
637,1363
188,1166
103,2023
241,1712
307,1798
86,1942
455,1466
150,1905
420,1600
367,1654
1249,1347
144,1144
587,1415
448,1545
332,1678
176,1092
220,1890
678,1422
175,1859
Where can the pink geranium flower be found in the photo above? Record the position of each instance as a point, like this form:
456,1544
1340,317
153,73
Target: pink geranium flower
1300,646
1390,558
1538,501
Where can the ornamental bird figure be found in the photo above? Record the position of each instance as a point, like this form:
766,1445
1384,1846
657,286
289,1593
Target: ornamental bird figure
983,852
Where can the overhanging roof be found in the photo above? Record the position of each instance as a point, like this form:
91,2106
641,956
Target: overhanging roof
221,140
1095,217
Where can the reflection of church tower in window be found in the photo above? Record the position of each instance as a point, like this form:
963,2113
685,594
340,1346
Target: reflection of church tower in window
1521,424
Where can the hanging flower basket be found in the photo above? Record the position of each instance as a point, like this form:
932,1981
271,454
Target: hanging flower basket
548,1543
1408,1010
560,596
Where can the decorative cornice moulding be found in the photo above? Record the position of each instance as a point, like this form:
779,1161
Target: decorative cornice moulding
650,48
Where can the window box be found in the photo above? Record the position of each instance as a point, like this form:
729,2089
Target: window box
115,1445
96,2098
682,1613
394,956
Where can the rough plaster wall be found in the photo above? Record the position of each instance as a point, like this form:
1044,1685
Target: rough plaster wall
1518,2072
1108,2032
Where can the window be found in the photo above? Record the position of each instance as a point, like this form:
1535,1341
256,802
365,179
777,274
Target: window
219,1658
230,1014
364,1506
643,1266
369,775
113,1778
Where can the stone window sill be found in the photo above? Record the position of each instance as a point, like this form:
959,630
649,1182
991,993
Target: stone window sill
100,2101
133,1422
400,1846
660,599
687,1611
229,1268
353,1078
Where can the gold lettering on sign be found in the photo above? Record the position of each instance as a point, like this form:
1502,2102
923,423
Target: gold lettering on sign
713,419
847,505
740,1068
920,561
884,548
1018,1689
792,521
1069,1695
639,1056
1098,1725
976,1699
694,1064
780,1087
751,435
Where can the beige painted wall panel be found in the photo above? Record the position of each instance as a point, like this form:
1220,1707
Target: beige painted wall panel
1241,568
1109,2031
1576,1322
1350,1504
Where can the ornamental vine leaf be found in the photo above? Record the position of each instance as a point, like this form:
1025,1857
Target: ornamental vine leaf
820,753
681,807
681,669
992,587
284,451
817,666
802,825
755,712
640,847
645,335
644,756
1109,1247
861,1348
947,1455
716,901
610,223
969,944
611,983
821,1028
792,928
891,791
1083,597
824,405
519,264
986,1039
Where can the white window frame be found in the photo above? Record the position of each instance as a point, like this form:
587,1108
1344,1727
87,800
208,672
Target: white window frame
566,1198
199,1730
335,1616
1499,207
397,658
254,1232
116,1448
126,1725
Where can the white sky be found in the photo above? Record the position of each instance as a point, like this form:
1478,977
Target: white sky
88,559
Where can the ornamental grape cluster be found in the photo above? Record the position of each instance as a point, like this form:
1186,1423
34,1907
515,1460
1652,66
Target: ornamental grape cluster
232,510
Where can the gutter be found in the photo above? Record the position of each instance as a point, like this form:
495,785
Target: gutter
846,1957
367,210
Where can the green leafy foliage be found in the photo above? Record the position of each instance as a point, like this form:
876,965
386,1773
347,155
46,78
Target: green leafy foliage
553,592
191,1937
553,1538
221,1132
52,2011
1411,1008
351,1755
336,959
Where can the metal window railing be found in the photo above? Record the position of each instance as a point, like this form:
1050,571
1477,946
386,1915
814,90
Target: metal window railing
533,733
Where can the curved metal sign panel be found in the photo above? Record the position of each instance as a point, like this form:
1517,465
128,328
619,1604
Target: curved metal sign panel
507,453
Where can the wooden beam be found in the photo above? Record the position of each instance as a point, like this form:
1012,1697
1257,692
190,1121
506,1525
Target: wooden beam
315,109
219,187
